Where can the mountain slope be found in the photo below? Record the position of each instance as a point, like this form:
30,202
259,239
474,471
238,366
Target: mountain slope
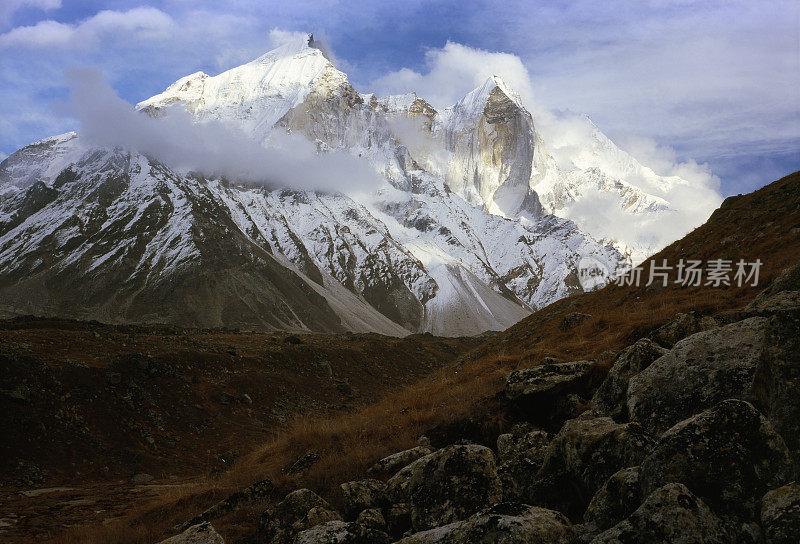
455,241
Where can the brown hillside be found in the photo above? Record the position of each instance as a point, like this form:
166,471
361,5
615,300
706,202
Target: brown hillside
458,399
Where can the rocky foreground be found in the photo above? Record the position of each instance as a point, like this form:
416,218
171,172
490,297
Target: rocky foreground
692,437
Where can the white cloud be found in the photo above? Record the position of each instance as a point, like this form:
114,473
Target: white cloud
3,155
138,23
8,7
453,71
213,148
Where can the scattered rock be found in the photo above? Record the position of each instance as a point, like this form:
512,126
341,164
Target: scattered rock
616,499
682,326
340,532
697,373
532,393
202,533
451,484
505,523
776,384
304,462
141,478
729,456
396,461
252,493
780,515
611,398
669,515
372,518
279,524
572,320
358,496
520,455
581,457
781,295
398,518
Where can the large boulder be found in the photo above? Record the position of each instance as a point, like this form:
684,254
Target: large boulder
396,461
537,393
581,457
505,523
776,384
451,484
298,511
782,294
611,397
697,373
358,496
340,532
520,454
616,499
670,515
729,456
682,326
780,515
202,533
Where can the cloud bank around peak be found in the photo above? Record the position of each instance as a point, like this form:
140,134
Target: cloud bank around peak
211,148
453,71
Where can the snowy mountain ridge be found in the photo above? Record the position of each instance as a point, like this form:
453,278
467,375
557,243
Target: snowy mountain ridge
460,238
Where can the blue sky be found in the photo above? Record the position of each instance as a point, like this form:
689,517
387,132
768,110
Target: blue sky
672,82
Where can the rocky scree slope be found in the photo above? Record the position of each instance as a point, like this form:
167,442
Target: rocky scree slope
454,242
711,460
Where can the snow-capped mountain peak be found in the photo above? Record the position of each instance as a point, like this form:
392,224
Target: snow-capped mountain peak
258,93
463,236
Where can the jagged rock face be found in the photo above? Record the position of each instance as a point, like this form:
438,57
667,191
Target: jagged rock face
494,150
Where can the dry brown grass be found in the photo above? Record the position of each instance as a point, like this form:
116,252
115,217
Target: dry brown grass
757,225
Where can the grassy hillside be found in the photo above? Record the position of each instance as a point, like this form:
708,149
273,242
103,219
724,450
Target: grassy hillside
460,398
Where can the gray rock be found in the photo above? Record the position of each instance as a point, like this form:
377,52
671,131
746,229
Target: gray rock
616,499
572,320
697,373
340,532
298,511
398,518
252,493
776,384
398,460
141,478
581,457
536,392
611,398
505,523
363,494
729,456
372,518
780,515
669,515
202,533
397,485
451,484
520,454
781,295
682,326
